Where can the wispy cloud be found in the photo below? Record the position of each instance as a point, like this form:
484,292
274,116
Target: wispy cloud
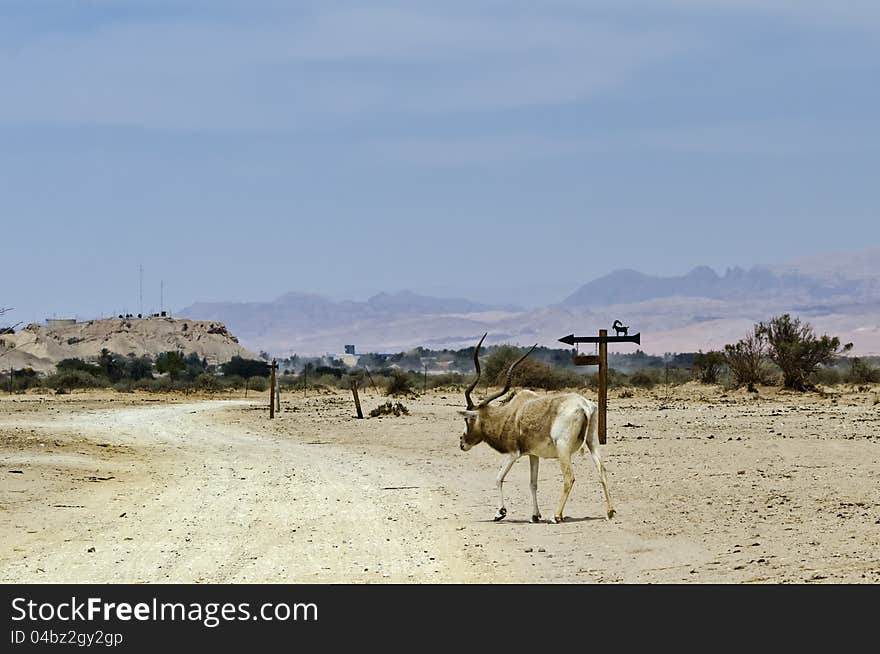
767,138
300,69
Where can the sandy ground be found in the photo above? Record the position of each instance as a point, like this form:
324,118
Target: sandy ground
708,486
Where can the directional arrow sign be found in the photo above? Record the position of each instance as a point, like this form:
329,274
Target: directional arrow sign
571,339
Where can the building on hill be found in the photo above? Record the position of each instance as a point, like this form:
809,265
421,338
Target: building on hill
55,323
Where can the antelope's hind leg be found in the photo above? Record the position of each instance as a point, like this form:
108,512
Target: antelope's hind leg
499,483
533,486
592,443
567,482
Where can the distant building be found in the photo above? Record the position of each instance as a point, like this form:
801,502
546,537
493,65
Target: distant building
351,360
349,349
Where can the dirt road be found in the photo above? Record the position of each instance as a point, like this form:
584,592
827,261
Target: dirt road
720,489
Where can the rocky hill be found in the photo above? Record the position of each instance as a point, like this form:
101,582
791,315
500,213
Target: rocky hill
41,347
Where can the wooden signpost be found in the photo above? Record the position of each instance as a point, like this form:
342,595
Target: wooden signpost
601,360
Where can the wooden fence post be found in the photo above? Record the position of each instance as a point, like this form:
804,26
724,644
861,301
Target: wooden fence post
357,400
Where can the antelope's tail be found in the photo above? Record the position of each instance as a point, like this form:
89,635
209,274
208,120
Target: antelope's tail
591,431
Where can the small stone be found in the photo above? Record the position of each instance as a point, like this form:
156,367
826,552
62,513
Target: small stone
90,550
527,550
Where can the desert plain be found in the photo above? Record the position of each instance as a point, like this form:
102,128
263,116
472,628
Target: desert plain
710,486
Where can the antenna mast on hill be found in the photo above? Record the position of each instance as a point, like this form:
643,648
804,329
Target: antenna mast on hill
141,289
162,296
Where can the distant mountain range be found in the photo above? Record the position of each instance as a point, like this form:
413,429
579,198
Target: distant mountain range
839,294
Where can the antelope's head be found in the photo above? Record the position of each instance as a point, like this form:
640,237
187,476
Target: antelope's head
473,431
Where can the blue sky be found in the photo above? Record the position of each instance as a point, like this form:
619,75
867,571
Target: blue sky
507,150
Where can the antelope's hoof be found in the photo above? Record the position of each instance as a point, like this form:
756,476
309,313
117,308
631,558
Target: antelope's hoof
558,518
611,513
536,517
502,513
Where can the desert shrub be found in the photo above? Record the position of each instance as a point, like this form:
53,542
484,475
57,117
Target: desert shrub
326,380
707,366
70,379
399,383
795,348
530,373
290,382
233,381
614,378
861,372
142,384
207,382
643,379
330,371
160,385
22,379
447,379
747,360
258,384
828,376
389,409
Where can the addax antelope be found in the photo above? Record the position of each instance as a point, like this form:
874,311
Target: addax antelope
552,426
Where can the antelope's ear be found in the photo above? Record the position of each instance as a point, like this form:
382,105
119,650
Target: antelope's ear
467,413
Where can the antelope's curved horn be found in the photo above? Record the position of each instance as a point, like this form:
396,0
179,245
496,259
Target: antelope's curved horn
467,393
507,379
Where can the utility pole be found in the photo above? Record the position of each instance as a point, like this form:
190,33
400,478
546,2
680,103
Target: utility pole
141,289
278,393
161,296
272,389
425,384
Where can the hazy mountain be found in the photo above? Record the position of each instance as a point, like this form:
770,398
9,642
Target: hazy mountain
838,294
627,286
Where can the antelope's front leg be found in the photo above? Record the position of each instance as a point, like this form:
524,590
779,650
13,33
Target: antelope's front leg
499,483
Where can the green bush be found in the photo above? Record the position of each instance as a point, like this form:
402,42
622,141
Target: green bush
172,363
530,373
207,382
69,365
795,348
246,368
70,379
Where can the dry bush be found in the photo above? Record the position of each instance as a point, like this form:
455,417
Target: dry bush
747,360
399,383
795,348
389,409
